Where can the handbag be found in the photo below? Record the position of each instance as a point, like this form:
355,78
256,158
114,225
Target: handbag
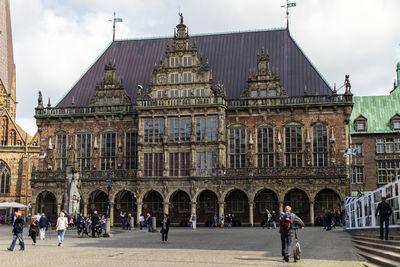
162,231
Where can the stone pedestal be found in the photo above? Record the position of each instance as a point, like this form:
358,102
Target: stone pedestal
132,223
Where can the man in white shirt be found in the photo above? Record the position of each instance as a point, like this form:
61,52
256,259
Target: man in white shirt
141,221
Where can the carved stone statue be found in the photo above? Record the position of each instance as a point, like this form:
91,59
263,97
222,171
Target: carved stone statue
40,100
74,195
347,82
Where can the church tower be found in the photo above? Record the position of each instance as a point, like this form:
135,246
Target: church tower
7,66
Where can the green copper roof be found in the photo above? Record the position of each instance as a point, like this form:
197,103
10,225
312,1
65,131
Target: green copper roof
378,110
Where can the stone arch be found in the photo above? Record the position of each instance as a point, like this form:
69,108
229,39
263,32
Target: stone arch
153,204
206,206
46,202
237,203
98,200
299,200
179,207
169,195
197,194
327,199
142,196
124,202
229,190
265,199
288,189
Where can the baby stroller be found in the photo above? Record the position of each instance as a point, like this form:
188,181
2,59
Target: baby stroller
297,249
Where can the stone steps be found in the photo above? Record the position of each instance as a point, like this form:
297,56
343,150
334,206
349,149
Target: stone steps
377,251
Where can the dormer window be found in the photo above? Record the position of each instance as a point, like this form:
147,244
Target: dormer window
174,62
395,122
360,124
187,61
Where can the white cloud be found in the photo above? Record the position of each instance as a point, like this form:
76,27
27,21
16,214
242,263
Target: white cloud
55,41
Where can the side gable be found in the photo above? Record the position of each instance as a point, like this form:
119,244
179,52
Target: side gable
11,133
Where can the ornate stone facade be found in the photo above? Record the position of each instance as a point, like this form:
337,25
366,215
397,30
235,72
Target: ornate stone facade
183,147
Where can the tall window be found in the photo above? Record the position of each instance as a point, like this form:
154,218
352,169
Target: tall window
174,78
387,145
83,144
294,146
206,163
320,146
4,131
153,164
357,175
179,164
187,77
130,151
237,148
357,149
206,129
187,61
179,130
5,178
61,151
108,151
388,171
153,130
174,61
265,147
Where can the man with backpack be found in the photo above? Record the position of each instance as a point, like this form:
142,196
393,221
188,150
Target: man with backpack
288,221
18,230
384,211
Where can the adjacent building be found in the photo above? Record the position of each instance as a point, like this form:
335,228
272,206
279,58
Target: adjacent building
375,137
18,150
232,123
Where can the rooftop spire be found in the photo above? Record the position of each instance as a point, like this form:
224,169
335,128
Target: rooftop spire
288,5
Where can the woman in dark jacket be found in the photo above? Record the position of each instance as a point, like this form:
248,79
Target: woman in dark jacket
165,228
33,229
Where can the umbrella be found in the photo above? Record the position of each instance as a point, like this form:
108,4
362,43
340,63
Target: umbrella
12,205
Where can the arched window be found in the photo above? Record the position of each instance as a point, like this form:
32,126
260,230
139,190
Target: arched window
4,178
4,131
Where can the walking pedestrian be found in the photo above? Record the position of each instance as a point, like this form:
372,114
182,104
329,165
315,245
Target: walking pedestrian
384,210
43,224
288,221
215,222
95,223
273,218
222,220
141,221
61,227
128,221
229,220
33,229
123,217
265,222
165,228
18,231
148,221
193,220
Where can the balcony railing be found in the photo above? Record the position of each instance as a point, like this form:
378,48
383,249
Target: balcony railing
173,102
84,110
92,174
289,172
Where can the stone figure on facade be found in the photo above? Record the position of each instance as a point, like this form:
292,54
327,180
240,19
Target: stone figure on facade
74,195
40,100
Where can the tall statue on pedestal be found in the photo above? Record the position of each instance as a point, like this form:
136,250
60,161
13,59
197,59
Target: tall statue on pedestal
74,195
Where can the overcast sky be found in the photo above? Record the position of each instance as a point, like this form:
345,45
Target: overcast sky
55,41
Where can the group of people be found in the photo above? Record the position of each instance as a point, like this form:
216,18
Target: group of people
229,219
329,219
269,219
126,220
92,223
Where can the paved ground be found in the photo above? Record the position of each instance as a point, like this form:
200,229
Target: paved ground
203,247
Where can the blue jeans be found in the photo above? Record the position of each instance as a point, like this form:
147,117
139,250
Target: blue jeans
61,234
21,241
123,225
286,239
384,220
141,225
149,228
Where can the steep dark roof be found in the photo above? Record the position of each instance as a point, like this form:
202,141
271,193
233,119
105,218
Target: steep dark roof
231,56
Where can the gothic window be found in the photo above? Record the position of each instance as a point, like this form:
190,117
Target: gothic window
294,147
237,148
200,92
179,130
153,130
5,178
206,163
187,61
174,78
187,77
179,164
174,61
320,146
130,151
265,147
13,138
153,164
206,129
83,145
61,151
108,143
357,175
4,131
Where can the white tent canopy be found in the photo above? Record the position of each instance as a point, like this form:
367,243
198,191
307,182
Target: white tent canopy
6,205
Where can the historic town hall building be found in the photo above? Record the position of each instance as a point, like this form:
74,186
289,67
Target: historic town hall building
213,124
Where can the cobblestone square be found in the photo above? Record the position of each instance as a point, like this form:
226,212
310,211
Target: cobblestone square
202,247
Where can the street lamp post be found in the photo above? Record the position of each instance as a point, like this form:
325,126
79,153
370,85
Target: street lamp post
108,226
133,194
